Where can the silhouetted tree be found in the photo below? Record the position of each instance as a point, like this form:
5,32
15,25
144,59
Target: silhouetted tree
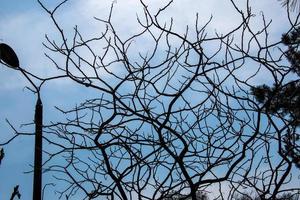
284,98
177,117
174,196
294,5
177,114
284,196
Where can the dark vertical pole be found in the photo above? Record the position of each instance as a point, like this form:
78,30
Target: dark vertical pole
37,179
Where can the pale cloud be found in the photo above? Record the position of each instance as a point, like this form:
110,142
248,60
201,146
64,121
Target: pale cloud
24,32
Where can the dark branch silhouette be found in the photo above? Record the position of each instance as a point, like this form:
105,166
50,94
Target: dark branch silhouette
1,155
15,193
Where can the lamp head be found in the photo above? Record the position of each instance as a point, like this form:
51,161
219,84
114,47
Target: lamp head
8,56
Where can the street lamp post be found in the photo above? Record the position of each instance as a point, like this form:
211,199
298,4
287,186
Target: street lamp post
38,120
10,59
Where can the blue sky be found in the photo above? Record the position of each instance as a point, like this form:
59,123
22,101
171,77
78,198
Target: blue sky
23,25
